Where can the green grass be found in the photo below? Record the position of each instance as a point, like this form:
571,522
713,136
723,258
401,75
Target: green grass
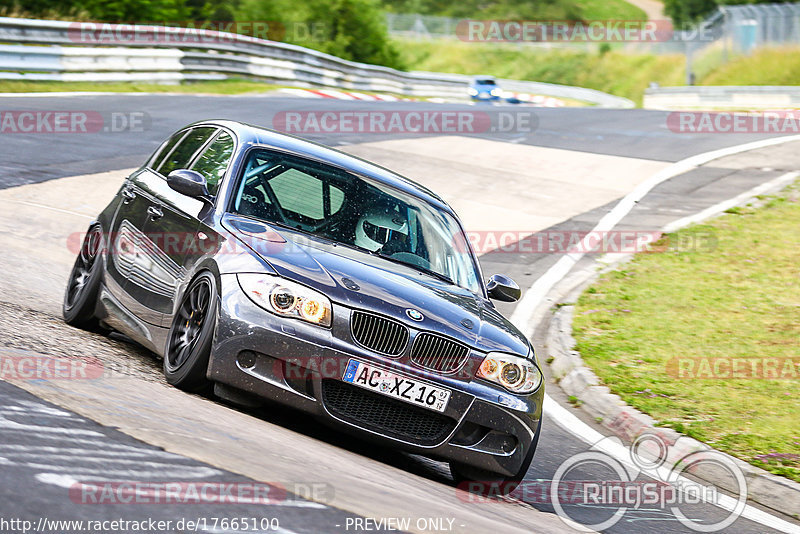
522,10
741,301
610,10
225,87
620,74
767,66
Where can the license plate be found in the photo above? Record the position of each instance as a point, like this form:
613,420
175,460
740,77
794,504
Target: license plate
396,386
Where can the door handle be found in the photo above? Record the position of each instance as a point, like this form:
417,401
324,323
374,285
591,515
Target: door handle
128,195
155,213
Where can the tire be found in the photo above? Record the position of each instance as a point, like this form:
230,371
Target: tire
491,483
83,286
190,337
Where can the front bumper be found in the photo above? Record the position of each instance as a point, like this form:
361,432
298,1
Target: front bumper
301,365
485,97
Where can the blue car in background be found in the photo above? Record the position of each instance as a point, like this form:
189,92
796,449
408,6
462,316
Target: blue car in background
484,89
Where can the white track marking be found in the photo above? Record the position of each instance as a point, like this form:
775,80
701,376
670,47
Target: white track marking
75,440
716,209
361,96
303,93
12,426
31,450
70,93
174,471
15,413
336,94
51,208
49,460
38,408
538,291
92,460
62,481
536,294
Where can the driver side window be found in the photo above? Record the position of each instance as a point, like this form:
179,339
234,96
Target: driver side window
181,155
215,160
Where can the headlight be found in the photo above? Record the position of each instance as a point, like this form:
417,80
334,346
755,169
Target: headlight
516,374
496,92
472,91
287,298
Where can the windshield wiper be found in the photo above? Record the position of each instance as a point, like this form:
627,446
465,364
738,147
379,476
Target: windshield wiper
416,267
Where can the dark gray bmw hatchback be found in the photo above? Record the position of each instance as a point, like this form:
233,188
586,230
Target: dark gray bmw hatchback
269,267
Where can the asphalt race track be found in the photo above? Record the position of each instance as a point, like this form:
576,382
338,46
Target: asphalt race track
27,158
51,439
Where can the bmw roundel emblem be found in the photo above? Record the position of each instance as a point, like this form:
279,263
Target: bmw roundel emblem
414,314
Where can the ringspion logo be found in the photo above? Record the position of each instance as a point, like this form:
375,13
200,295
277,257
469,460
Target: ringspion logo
650,477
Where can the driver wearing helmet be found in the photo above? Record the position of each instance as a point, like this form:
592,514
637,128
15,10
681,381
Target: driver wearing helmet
384,230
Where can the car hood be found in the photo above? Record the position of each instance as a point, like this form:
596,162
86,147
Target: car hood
359,280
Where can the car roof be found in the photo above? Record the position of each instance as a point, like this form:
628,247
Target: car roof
257,135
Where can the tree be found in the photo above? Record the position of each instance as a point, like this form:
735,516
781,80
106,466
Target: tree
353,29
349,29
686,12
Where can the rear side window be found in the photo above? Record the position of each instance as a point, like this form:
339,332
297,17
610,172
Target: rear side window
215,160
165,149
304,195
289,190
181,156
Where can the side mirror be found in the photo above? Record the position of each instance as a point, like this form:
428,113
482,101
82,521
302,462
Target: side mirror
189,183
503,288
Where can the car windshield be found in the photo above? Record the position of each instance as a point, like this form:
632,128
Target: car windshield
485,82
355,211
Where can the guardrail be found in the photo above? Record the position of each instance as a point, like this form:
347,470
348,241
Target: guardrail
722,97
163,54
